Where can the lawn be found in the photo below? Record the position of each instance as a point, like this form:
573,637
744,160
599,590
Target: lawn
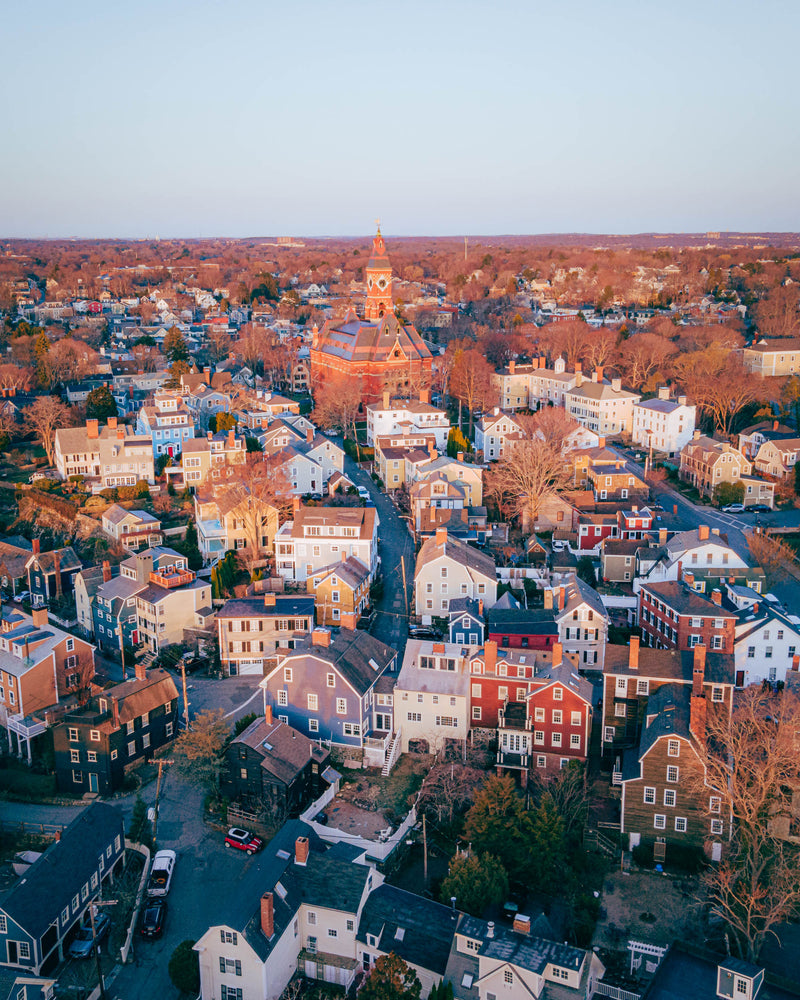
18,781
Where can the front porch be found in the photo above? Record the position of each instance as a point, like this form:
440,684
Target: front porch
327,968
26,729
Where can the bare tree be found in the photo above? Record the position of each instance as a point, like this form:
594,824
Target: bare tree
772,555
254,497
551,424
449,789
642,356
471,382
752,764
526,476
777,313
45,415
599,347
337,402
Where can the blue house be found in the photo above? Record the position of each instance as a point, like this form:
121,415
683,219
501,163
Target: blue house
465,624
114,611
326,689
54,897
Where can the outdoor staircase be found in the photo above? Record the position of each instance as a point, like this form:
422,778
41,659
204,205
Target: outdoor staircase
391,755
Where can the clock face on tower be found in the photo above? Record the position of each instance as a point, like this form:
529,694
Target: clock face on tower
381,283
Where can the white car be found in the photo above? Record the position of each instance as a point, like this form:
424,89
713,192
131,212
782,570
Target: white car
161,873
559,544
363,492
733,508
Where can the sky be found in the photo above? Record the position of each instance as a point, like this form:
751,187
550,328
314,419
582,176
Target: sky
315,117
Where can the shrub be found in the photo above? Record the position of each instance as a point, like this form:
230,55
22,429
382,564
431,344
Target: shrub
184,968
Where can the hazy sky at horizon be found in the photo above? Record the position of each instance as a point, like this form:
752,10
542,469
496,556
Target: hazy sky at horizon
312,117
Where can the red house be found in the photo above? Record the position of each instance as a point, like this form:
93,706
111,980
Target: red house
522,628
634,523
552,726
674,616
498,676
593,528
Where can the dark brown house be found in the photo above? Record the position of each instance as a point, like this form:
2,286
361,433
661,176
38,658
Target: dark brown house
123,724
274,767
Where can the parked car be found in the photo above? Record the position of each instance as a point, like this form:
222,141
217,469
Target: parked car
161,873
759,508
363,492
154,914
24,596
82,943
424,632
559,544
242,840
733,508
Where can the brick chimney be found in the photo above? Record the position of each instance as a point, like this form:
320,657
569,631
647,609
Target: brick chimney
460,456
120,434
112,423
348,621
796,662
633,652
141,670
675,510
106,571
662,536
512,367
268,714
698,671
309,435
562,598
301,851
207,374
774,425
35,544
601,442
320,637
688,578
480,607
269,600
39,616
432,453
599,373
210,435
231,438
489,656
438,647
441,536
522,924
558,654
92,429
267,915
703,532
57,571
295,505
716,597
548,600
424,396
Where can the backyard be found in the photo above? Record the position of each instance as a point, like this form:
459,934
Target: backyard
369,801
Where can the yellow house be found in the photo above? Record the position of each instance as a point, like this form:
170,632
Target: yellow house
341,589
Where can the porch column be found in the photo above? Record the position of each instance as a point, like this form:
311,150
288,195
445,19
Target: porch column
28,745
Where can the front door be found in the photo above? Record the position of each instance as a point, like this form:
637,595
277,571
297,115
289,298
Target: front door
513,741
12,952
383,722
93,786
740,678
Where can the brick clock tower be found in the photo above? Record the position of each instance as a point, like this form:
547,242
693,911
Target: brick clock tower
379,281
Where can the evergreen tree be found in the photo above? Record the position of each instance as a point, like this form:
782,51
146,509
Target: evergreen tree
140,830
476,881
456,442
100,404
175,347
41,349
497,823
547,847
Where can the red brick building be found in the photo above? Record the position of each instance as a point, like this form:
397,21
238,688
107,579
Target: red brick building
674,616
379,350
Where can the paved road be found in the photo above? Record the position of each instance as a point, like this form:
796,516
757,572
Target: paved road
396,549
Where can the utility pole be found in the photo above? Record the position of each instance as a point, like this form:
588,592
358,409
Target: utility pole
122,649
424,850
161,764
105,902
465,249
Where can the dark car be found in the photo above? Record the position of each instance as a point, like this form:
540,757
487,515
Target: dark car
424,632
759,508
191,664
243,841
154,914
81,946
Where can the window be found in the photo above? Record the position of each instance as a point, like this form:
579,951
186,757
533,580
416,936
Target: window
575,740
341,706
622,684
74,756
660,821
167,732
680,824
73,734
313,725
714,804
91,756
643,687
538,714
538,736
350,925
283,698
4,923
557,716
575,718
332,932
672,773
508,976
24,949
313,703
742,987
620,711
716,826
287,675
558,694
132,748
311,917
673,748
352,729
669,797
331,680
541,761
556,738
717,693
650,796
417,716
476,713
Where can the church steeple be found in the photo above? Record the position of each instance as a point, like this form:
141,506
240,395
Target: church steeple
379,281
